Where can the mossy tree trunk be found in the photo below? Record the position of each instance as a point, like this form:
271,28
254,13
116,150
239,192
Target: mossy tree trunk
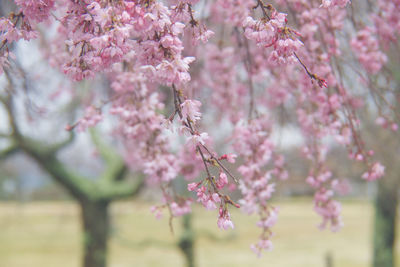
385,225
96,226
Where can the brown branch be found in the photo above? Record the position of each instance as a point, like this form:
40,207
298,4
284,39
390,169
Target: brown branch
220,164
187,123
263,7
321,82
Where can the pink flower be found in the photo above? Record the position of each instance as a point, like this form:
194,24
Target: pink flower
190,110
330,3
157,212
92,117
192,186
376,171
197,139
36,10
231,158
270,220
263,244
181,209
222,181
274,33
366,46
343,187
225,223
210,204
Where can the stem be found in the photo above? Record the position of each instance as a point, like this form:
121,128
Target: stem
187,123
312,76
261,4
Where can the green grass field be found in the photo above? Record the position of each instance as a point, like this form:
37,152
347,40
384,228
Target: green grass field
48,235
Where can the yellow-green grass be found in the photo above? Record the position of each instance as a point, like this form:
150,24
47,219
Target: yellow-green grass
48,235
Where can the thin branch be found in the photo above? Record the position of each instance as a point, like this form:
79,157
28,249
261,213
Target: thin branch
313,76
222,165
188,124
263,8
204,161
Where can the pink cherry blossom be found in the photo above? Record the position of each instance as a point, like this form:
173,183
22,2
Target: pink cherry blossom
36,10
376,171
330,3
190,110
222,181
224,220
366,47
91,118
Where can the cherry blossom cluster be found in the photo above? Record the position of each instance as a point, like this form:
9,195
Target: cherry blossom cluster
91,118
190,163
19,25
231,11
13,29
325,110
387,123
99,33
197,31
321,113
92,36
221,77
35,11
177,208
387,21
209,194
142,131
208,190
376,171
366,47
321,179
331,3
272,31
140,126
253,143
150,32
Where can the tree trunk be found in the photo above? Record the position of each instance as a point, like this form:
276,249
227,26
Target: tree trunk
328,259
96,224
385,225
186,242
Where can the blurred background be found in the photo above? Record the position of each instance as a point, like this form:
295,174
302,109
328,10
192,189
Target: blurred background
68,200
42,225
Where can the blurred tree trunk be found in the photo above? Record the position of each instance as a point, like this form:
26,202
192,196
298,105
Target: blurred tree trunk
186,241
328,259
385,224
96,224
